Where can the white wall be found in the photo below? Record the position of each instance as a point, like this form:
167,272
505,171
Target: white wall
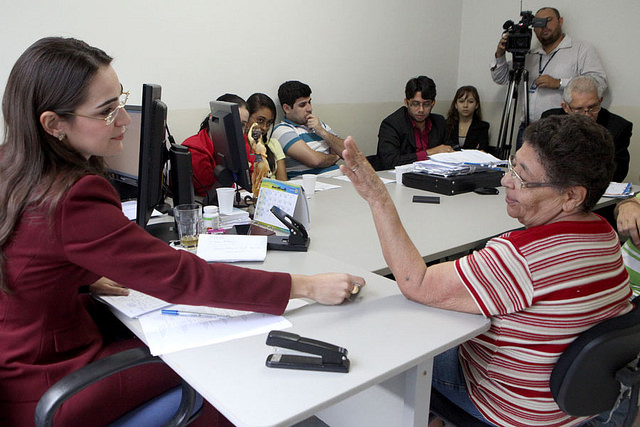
351,53
357,55
610,26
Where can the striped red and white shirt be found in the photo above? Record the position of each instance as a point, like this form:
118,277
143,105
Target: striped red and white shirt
541,287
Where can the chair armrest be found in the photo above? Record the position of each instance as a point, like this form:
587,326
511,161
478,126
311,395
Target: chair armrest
78,380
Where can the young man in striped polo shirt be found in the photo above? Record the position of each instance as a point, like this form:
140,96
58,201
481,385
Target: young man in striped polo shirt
310,145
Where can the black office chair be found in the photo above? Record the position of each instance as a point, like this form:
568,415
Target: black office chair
158,411
588,377
601,367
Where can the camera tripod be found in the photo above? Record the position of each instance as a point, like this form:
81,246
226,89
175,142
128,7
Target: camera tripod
517,76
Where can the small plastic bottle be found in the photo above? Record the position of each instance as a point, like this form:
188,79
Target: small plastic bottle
211,219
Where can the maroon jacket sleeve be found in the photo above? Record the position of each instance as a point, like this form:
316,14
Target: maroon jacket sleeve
98,237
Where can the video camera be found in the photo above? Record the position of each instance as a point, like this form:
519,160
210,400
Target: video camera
519,35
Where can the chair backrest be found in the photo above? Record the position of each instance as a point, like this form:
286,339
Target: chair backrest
583,381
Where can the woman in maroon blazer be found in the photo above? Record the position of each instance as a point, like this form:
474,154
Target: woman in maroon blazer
62,227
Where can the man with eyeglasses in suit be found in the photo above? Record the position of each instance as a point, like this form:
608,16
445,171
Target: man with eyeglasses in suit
583,95
412,133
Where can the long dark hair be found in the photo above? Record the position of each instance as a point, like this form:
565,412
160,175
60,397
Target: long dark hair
254,103
453,118
36,169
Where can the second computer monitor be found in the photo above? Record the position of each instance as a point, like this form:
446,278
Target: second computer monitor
225,130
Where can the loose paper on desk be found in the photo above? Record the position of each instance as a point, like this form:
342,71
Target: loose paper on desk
135,304
231,247
166,334
320,186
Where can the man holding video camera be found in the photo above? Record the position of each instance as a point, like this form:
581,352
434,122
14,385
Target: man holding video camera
551,65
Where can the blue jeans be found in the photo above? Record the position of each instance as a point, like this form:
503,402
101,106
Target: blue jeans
616,420
448,379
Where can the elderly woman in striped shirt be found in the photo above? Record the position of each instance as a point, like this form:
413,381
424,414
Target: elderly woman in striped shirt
540,286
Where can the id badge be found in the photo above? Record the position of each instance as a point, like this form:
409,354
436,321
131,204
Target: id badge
533,87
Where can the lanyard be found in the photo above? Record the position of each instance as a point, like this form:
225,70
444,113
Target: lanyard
540,67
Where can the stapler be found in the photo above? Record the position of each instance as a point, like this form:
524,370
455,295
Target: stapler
297,240
330,357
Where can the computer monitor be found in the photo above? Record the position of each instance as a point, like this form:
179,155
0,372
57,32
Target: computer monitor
152,166
225,130
122,169
152,163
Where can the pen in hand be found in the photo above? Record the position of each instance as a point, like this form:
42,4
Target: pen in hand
194,314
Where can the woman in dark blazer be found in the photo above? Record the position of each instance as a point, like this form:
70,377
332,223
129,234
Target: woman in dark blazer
465,127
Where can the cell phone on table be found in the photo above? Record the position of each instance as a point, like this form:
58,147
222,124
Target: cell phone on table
426,199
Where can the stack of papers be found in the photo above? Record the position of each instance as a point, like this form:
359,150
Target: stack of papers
433,167
468,157
620,190
461,162
236,217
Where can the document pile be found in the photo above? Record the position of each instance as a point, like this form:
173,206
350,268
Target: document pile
620,190
167,328
236,217
462,162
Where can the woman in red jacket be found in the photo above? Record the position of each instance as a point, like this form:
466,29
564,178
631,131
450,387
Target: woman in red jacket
62,227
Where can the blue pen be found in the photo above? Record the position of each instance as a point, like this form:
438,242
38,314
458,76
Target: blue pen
193,314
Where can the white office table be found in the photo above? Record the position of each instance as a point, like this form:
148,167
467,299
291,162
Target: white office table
342,227
391,343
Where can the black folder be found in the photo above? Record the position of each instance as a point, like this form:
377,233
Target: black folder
450,185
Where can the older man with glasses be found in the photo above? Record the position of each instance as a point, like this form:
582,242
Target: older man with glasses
412,132
583,95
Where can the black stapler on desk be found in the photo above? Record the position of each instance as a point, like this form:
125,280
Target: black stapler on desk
329,357
297,240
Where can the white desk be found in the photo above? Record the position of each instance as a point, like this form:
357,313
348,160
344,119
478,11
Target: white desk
342,227
391,343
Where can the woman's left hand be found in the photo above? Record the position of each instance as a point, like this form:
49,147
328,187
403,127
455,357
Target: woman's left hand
107,287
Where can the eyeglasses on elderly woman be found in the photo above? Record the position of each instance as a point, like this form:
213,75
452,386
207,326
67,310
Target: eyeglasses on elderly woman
521,183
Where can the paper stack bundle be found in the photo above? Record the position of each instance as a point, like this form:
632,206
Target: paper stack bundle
236,217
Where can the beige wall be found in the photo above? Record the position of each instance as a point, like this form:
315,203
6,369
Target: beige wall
356,55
